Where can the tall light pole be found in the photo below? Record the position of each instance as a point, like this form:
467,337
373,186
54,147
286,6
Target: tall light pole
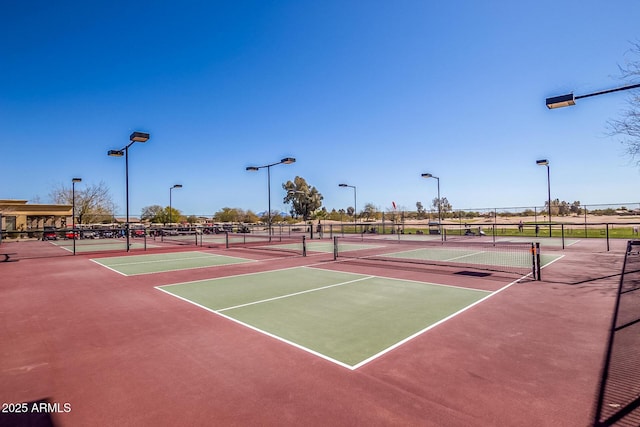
545,162
171,211
428,175
134,137
355,204
73,210
285,161
569,99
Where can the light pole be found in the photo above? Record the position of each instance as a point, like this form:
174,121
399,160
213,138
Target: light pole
355,203
285,161
134,137
73,210
545,162
170,210
569,99
428,175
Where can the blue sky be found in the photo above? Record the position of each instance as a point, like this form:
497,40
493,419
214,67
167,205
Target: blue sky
370,93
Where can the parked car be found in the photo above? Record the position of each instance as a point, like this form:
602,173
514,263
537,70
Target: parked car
50,233
138,232
87,234
107,234
71,234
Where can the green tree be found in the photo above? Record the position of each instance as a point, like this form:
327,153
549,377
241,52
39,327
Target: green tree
575,208
153,213
228,215
250,217
304,200
369,211
445,206
351,211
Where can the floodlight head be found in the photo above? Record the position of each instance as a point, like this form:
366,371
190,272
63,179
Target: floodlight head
139,137
543,162
115,153
76,180
288,160
252,168
177,186
342,185
561,101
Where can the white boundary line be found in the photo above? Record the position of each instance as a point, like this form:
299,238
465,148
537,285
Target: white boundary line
297,293
552,261
108,268
238,275
451,316
245,260
308,350
364,277
206,255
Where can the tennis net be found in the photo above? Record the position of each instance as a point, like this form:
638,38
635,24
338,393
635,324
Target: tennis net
292,246
517,258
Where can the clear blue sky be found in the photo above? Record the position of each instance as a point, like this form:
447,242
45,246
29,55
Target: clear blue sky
370,93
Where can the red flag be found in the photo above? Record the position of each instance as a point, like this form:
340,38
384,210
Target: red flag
394,205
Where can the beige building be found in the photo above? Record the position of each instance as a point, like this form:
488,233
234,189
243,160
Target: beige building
18,215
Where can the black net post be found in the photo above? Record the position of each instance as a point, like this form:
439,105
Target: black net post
537,261
335,248
304,245
226,239
533,259
562,232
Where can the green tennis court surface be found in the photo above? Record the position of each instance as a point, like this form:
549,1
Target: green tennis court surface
157,263
100,245
346,318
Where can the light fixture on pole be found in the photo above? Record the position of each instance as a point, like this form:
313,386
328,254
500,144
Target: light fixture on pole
569,99
285,161
73,210
170,210
428,175
355,202
134,137
545,162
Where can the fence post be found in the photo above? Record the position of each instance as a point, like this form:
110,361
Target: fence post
562,232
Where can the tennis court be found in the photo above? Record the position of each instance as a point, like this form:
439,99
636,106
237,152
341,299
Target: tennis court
379,336
347,318
157,263
99,245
